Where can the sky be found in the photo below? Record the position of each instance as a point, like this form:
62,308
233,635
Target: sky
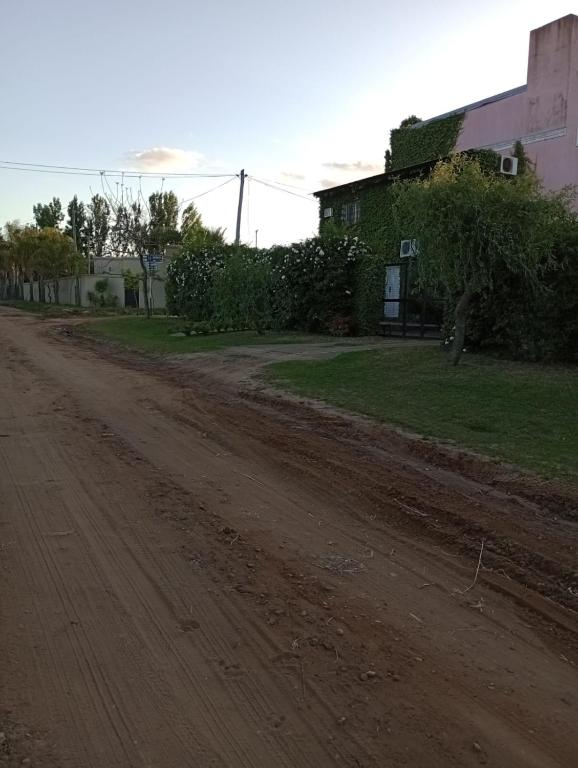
302,94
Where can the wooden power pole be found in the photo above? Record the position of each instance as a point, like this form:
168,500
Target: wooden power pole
240,208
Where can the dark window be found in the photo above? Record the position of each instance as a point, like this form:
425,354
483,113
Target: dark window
350,213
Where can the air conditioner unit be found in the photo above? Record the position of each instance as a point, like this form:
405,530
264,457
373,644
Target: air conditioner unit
407,249
509,165
327,213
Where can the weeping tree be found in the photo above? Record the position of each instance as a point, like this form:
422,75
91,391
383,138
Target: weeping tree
473,227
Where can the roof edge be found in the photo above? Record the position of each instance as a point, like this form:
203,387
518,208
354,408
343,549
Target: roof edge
406,172
474,105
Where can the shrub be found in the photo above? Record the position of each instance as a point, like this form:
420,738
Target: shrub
314,281
189,282
527,325
309,285
241,290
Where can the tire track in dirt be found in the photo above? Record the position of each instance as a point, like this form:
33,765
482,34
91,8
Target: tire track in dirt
87,666
179,485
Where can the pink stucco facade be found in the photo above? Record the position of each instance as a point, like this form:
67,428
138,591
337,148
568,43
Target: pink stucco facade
543,114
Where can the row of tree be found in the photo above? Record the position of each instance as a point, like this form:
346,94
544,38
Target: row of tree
29,254
104,227
114,227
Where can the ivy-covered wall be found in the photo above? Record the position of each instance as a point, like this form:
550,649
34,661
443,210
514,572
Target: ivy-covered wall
433,141
376,228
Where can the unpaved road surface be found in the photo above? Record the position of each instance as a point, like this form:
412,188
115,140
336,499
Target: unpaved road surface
197,575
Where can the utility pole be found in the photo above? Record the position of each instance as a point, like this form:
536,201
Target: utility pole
240,208
74,225
77,281
256,238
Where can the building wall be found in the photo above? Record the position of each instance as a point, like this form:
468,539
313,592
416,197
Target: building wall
116,266
545,116
67,290
494,123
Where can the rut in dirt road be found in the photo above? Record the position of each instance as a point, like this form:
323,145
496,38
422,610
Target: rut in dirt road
189,578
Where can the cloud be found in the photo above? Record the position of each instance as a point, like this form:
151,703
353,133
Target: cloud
294,176
357,166
327,183
163,159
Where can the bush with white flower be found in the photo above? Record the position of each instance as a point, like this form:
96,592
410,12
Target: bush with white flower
314,282
309,285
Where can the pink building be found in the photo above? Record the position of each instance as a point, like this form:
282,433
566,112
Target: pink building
543,114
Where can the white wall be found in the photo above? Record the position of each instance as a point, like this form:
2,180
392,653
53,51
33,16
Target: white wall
112,267
67,289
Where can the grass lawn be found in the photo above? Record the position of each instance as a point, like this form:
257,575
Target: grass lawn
42,308
522,413
154,335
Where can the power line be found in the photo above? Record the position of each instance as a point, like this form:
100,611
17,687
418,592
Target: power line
78,170
291,186
280,189
41,170
208,191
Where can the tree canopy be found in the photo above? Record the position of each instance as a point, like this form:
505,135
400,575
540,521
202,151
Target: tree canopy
96,226
163,219
195,235
472,227
48,214
76,224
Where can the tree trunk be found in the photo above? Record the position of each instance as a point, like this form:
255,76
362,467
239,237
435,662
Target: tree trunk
145,280
461,316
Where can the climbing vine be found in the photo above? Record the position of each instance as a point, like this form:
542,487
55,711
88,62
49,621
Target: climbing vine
415,144
378,228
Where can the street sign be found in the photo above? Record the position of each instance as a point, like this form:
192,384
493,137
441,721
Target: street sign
153,260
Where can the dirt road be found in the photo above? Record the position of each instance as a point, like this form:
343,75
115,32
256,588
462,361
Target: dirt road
194,575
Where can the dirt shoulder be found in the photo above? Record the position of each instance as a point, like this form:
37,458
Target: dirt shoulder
198,573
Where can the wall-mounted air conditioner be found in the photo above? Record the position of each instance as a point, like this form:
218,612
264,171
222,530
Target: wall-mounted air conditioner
407,249
327,213
509,165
